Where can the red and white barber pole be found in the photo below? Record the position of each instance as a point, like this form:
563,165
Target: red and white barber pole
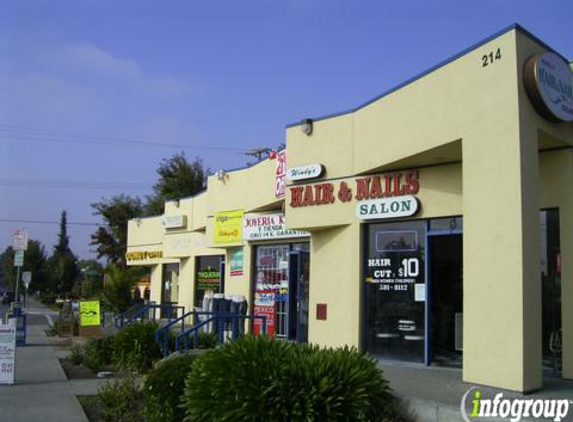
280,174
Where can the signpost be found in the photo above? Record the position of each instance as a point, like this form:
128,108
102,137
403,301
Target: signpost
20,244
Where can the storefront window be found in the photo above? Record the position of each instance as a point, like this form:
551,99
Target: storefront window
271,287
170,283
169,287
281,288
208,277
395,290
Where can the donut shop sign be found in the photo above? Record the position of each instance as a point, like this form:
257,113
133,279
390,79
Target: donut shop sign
390,195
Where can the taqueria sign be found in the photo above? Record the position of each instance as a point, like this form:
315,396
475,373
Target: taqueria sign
389,195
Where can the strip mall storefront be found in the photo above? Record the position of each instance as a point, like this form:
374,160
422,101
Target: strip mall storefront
441,228
433,224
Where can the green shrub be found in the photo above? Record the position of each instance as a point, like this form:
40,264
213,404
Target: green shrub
98,353
121,401
134,347
207,340
164,386
77,355
261,379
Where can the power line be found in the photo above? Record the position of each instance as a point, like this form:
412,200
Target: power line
9,220
46,135
74,184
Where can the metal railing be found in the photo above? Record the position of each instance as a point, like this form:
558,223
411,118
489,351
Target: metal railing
162,333
224,322
148,312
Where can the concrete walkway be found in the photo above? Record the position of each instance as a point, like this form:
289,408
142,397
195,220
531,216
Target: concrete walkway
41,392
434,394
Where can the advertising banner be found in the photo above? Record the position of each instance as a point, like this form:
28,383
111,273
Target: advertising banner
268,226
236,262
227,227
280,172
89,314
7,353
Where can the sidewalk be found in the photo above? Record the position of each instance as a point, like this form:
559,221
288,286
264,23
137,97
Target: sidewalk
434,394
41,392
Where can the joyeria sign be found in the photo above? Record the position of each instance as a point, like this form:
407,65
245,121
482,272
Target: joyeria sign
378,194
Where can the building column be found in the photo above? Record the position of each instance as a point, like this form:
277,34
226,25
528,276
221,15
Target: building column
502,287
155,283
186,283
566,239
335,281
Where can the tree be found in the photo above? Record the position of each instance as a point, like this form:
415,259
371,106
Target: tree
35,261
92,273
63,263
119,283
178,178
111,238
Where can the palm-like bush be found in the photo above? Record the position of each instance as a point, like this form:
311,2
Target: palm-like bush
118,286
258,379
134,347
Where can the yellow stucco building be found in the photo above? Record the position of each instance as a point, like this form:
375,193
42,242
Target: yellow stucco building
432,224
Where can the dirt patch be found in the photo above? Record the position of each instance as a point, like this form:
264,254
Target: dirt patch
76,371
92,408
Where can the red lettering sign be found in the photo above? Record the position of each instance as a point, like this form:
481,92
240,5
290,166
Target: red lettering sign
370,187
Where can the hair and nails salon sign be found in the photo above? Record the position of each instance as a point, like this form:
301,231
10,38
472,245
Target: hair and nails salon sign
268,226
385,196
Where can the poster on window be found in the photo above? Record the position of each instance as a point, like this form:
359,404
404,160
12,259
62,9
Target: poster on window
236,262
396,263
267,295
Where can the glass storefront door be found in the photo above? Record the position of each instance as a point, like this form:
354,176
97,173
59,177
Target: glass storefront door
209,276
281,283
395,290
551,292
445,299
169,288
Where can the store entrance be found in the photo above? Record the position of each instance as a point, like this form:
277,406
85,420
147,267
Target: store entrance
446,299
299,288
281,287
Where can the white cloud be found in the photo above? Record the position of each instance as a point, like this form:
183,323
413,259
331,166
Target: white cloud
92,59
98,60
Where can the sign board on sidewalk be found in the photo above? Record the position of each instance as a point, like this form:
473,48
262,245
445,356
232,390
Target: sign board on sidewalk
20,240
18,258
89,314
26,278
7,353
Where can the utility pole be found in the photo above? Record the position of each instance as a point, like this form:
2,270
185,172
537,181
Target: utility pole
258,153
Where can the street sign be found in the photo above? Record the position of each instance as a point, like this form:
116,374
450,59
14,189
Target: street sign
26,278
20,240
19,258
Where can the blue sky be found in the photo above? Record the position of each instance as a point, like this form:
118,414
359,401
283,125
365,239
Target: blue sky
226,74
